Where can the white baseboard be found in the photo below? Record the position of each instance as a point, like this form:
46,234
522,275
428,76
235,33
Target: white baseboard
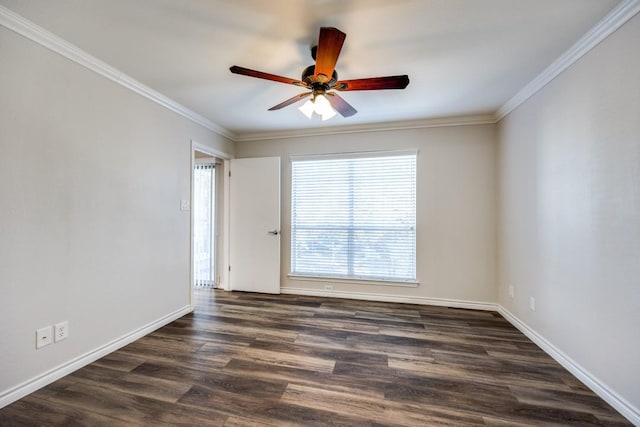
442,302
9,396
620,404
598,387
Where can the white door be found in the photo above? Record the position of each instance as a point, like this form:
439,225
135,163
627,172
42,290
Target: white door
255,225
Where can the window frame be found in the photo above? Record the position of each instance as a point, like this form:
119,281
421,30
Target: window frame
345,279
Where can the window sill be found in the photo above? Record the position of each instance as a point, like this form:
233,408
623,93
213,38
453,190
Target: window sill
406,284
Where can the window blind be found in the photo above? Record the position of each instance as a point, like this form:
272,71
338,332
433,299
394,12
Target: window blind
203,224
354,217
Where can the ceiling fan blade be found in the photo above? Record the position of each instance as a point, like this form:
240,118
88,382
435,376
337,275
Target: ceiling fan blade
373,83
259,74
329,46
290,101
340,105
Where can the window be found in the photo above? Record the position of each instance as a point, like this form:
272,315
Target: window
354,216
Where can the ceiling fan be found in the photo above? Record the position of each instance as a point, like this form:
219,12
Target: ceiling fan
321,79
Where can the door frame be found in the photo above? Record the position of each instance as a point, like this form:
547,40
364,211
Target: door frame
223,252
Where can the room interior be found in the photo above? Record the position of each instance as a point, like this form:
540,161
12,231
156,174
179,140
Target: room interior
524,116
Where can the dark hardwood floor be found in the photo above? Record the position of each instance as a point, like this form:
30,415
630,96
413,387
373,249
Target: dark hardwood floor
253,360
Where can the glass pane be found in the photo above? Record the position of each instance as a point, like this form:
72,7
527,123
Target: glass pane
380,254
321,252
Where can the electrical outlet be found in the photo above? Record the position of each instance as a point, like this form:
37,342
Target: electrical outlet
44,336
328,287
532,303
184,205
511,291
61,331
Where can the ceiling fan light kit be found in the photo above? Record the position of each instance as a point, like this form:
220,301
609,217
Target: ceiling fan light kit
321,79
319,105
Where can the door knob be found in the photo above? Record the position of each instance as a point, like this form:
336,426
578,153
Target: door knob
274,232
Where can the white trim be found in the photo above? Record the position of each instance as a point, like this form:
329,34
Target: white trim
610,23
35,383
205,161
618,16
441,302
218,154
203,148
482,119
223,263
353,155
355,281
225,274
37,34
597,386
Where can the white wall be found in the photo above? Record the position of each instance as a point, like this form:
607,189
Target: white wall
91,177
570,212
92,233
456,207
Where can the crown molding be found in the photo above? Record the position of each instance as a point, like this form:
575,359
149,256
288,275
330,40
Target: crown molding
615,19
48,40
610,23
37,34
480,119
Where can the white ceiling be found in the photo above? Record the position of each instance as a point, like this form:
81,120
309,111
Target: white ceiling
463,57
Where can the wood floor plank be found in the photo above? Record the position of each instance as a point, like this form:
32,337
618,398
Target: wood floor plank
228,403
32,411
333,401
478,375
448,337
516,354
282,414
494,402
342,383
587,403
338,355
497,422
161,389
280,359
120,361
238,421
255,331
405,415
128,408
243,359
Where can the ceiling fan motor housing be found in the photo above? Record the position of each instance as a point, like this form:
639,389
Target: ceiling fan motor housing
308,76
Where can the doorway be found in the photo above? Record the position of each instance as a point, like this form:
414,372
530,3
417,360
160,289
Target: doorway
209,223
205,229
